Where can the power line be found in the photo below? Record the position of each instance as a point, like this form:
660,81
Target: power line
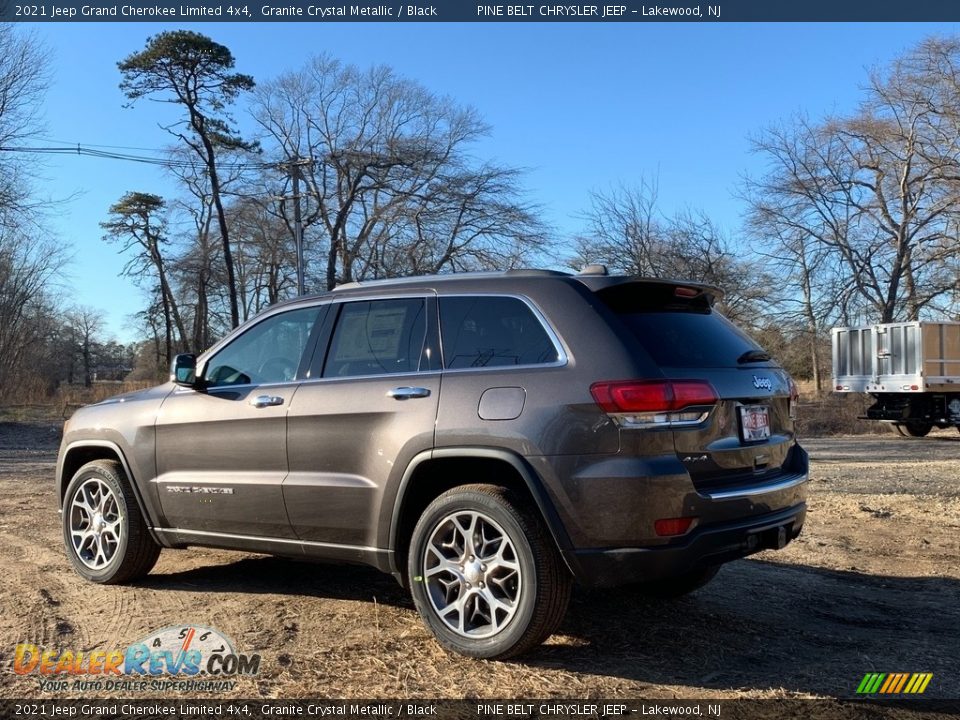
89,151
291,167
95,145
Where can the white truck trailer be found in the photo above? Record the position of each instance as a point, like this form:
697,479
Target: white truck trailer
912,369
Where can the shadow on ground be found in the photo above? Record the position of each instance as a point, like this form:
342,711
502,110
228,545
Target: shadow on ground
758,625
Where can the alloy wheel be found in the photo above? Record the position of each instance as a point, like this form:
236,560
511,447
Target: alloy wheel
472,574
95,524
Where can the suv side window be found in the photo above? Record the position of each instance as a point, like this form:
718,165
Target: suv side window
377,337
492,331
269,352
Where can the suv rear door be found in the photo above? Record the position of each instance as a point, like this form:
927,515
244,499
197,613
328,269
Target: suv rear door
368,407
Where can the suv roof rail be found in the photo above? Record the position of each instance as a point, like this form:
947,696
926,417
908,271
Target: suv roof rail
446,277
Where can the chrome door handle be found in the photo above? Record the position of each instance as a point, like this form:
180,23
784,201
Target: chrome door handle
266,401
405,393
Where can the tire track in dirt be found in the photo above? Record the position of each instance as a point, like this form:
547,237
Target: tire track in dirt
873,583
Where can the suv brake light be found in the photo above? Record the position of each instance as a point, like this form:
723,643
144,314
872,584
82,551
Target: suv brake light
655,403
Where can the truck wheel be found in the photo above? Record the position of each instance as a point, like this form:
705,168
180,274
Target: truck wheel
485,574
918,428
105,534
680,585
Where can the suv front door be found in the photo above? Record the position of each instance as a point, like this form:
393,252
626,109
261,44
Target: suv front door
222,451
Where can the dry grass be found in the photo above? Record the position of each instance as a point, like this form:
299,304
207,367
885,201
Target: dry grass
827,413
32,406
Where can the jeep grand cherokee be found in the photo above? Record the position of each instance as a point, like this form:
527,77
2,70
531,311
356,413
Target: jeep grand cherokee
486,438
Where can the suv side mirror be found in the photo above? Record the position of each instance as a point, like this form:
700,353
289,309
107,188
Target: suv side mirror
183,370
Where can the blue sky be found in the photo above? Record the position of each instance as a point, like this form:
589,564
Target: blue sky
582,106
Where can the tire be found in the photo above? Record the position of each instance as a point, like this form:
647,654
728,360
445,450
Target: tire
119,549
917,428
899,430
486,576
680,585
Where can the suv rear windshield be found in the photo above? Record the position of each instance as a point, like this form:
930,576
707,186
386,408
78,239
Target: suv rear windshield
678,332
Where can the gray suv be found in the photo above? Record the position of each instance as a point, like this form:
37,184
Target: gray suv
486,438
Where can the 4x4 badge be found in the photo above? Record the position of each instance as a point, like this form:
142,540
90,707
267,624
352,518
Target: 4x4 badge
762,383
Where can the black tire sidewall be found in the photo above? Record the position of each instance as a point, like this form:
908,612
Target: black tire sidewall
108,572
514,633
918,429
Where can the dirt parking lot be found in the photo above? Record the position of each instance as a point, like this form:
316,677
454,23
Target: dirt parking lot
873,584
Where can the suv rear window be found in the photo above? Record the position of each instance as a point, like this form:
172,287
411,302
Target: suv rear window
678,332
492,331
377,337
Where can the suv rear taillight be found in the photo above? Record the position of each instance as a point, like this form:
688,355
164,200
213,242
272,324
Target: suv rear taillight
655,403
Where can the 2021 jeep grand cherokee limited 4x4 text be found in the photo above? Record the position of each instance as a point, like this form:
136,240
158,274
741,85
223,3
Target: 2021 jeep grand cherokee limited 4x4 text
487,438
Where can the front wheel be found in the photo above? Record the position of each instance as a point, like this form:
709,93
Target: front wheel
105,534
485,574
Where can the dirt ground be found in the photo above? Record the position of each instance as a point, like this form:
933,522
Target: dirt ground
873,584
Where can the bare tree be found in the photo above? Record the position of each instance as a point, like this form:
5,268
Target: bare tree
266,256
878,189
23,82
386,168
85,325
627,231
201,283
29,266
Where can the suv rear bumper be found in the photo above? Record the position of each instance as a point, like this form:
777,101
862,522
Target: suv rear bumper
706,545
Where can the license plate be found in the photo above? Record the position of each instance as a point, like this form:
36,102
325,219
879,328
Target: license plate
754,422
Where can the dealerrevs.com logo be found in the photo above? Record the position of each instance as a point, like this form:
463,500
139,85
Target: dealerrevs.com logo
180,658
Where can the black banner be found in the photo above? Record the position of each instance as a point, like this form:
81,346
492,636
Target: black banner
480,11
259,709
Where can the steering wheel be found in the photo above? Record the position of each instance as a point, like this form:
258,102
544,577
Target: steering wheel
277,369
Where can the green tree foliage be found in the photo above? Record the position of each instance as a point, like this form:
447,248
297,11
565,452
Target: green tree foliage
137,222
191,70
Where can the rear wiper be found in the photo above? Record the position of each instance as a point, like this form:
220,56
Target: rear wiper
753,356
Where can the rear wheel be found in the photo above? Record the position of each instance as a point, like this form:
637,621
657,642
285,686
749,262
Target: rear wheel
105,534
917,428
914,428
681,585
486,577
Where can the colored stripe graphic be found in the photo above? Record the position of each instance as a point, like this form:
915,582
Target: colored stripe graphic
894,683
903,681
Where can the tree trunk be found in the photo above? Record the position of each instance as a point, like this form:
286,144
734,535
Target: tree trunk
87,379
211,161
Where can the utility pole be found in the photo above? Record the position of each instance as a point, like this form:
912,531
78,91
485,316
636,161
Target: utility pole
298,224
292,168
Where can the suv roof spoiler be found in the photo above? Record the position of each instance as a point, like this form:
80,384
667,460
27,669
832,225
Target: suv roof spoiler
597,283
